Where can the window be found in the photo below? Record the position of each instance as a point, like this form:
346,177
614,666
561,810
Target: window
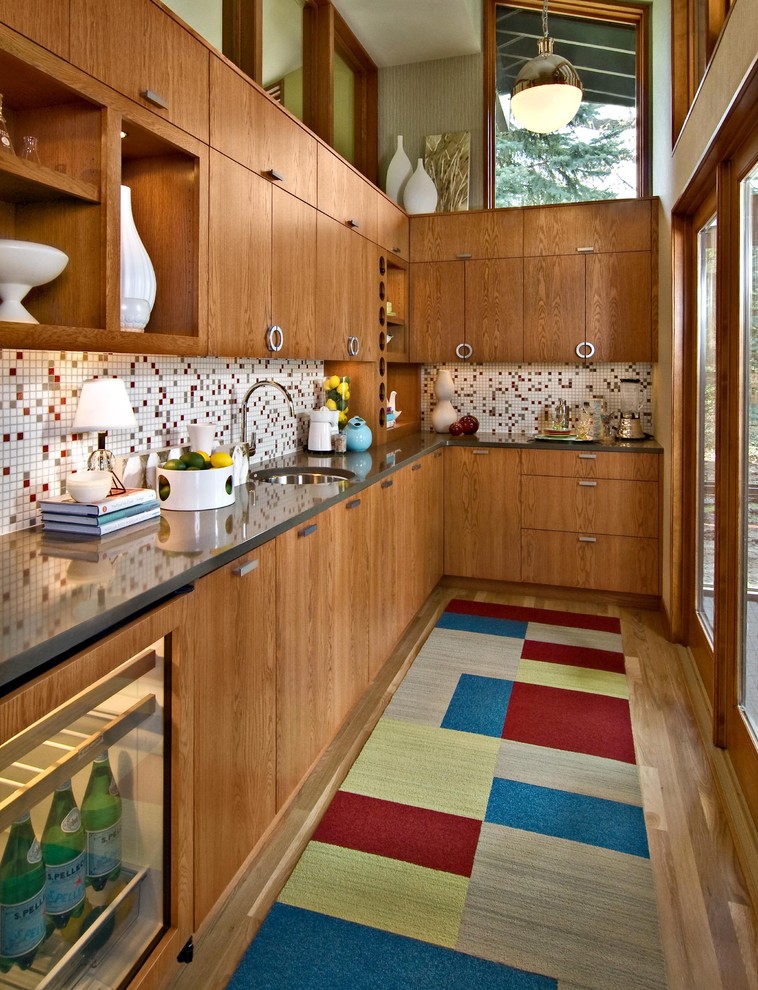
602,153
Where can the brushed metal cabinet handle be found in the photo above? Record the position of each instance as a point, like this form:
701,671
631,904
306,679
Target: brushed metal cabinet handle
152,97
464,255
585,250
354,504
308,530
387,484
416,467
355,224
481,453
588,539
587,457
273,174
588,484
396,250
244,569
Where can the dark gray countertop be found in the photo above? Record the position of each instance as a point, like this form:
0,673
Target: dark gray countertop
58,594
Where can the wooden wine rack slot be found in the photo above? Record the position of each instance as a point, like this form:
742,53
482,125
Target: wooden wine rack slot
79,757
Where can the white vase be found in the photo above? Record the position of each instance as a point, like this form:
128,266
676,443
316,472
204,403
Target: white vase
420,194
137,272
444,413
398,172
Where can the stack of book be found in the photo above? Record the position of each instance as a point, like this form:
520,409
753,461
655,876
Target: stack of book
62,514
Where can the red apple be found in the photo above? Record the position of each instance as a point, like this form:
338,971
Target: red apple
469,424
456,429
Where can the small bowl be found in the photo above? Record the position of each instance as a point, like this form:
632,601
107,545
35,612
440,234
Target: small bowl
89,486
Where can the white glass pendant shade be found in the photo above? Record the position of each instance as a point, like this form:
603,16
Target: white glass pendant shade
547,92
137,272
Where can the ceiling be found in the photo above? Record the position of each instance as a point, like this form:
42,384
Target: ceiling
396,32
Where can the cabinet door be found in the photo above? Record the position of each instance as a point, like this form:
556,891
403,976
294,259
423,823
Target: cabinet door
345,196
251,128
44,21
349,623
293,276
482,513
234,635
459,236
495,309
393,228
386,554
437,310
304,692
140,50
553,307
611,225
606,505
427,549
240,259
618,302
345,274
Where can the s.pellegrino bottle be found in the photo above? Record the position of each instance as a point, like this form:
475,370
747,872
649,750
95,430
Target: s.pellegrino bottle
22,897
63,844
101,815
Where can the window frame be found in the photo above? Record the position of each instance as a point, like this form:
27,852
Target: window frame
637,15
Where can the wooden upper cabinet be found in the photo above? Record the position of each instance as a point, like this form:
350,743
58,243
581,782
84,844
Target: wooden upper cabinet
393,228
620,306
610,225
438,310
43,21
293,275
460,236
248,126
345,195
554,308
495,309
141,51
239,259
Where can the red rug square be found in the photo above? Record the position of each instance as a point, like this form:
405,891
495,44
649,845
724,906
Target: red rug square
573,720
574,656
524,613
399,831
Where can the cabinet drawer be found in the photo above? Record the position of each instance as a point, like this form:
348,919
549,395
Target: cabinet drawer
605,563
249,127
621,508
591,464
614,225
141,51
459,236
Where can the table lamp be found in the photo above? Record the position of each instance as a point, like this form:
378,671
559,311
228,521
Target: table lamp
103,405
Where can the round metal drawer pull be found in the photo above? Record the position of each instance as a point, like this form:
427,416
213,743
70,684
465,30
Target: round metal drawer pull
464,351
275,339
353,346
585,350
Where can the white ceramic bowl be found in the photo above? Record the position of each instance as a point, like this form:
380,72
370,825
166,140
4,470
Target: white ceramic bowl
23,265
89,486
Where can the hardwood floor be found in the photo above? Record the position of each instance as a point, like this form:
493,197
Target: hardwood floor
708,925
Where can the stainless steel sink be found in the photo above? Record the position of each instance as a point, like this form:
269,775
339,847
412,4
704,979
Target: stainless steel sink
304,476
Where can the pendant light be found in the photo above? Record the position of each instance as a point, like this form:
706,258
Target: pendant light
547,91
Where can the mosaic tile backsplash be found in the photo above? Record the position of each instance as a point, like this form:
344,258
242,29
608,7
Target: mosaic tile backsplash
39,391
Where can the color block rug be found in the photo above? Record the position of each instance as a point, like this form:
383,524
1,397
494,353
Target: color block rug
490,835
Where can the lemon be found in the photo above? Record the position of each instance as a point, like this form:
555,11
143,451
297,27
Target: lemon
205,456
342,419
331,404
333,382
221,460
344,389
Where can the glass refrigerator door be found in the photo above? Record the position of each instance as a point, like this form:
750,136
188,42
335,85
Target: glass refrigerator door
84,833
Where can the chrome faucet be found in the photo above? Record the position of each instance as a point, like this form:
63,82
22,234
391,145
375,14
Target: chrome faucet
254,388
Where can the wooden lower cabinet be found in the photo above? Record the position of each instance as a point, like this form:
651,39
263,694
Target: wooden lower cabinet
482,513
234,636
427,478
604,505
578,560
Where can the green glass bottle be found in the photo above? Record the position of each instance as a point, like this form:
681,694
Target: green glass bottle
63,844
101,815
22,897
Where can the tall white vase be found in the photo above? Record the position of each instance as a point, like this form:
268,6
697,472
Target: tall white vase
398,172
420,194
137,272
444,413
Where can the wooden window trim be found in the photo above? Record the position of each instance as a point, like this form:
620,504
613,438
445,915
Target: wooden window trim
242,35
639,16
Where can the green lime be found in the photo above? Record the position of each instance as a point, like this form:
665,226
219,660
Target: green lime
175,465
193,459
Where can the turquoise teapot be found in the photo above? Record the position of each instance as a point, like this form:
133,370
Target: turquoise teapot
358,434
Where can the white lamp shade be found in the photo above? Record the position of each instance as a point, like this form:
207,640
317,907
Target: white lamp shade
103,405
546,108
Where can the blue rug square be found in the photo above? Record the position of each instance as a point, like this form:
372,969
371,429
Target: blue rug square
479,704
590,820
482,624
301,949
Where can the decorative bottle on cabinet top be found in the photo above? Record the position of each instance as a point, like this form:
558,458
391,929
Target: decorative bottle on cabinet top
420,194
398,172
